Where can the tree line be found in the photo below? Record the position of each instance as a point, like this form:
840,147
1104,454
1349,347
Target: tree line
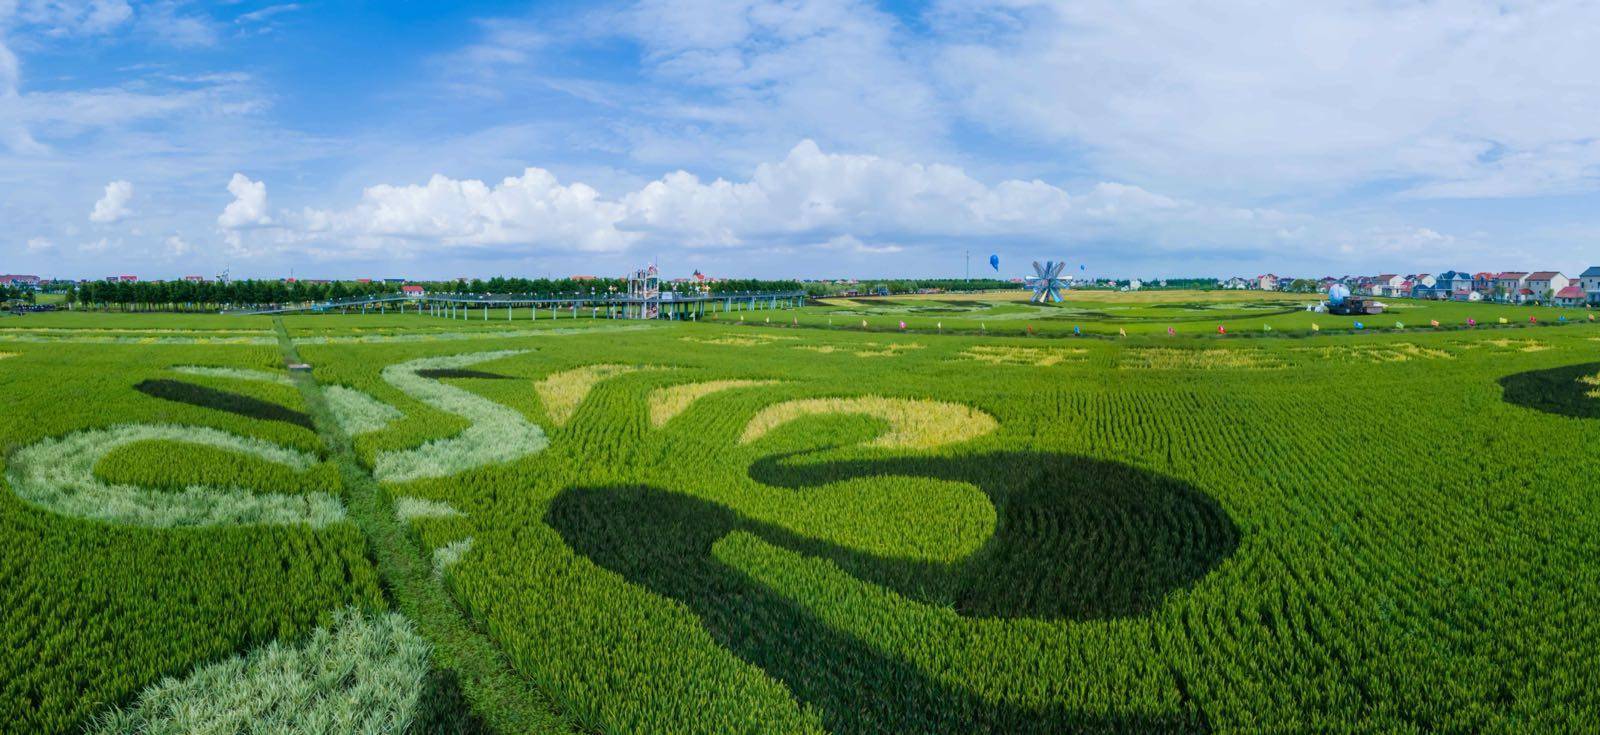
214,295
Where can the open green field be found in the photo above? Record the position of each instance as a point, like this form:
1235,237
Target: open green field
1187,313
584,525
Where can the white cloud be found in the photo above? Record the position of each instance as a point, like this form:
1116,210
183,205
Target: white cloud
249,205
1485,96
71,17
856,203
114,205
38,245
177,247
531,210
727,81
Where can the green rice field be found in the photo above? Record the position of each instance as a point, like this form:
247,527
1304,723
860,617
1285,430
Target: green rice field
782,521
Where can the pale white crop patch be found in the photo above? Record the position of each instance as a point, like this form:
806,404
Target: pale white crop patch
448,555
495,434
361,675
228,373
356,412
410,337
408,508
58,475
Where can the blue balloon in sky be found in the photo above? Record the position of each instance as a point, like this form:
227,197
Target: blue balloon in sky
994,262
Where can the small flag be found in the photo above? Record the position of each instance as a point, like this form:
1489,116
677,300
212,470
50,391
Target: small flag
797,321
902,324
1359,325
1435,323
1123,331
1315,328
1171,331
1077,330
1221,329
1030,329
1398,325
769,320
939,326
1533,320
741,317
1562,319
1266,327
984,326
863,324
1471,322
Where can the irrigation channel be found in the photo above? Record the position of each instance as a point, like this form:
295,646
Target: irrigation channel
608,306
465,662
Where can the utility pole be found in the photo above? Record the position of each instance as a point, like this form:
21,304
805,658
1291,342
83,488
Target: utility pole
969,263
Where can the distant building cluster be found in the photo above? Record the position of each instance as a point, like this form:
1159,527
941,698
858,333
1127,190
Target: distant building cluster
1508,287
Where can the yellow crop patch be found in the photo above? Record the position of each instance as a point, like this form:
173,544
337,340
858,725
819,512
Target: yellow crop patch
1170,358
1594,382
913,423
740,340
668,402
1031,356
563,392
1520,345
1397,352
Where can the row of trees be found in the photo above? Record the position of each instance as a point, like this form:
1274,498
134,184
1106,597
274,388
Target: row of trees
213,295
15,293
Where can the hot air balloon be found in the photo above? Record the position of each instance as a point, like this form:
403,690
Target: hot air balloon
994,262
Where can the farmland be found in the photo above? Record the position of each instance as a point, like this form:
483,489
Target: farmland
783,521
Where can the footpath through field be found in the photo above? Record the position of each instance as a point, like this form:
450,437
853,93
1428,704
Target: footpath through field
463,657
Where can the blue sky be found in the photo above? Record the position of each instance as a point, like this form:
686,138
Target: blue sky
805,138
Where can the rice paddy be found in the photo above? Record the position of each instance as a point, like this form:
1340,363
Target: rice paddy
761,527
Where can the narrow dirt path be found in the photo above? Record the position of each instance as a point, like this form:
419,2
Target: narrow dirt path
466,664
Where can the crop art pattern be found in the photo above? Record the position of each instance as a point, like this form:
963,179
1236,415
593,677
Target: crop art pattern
751,553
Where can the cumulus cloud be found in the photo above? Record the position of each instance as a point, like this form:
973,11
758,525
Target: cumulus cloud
855,203
249,205
113,206
533,209
38,245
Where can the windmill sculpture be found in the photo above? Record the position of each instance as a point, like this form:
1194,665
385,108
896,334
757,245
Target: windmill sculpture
1047,286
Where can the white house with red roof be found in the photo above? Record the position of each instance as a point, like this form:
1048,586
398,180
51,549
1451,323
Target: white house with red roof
1569,296
1541,286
